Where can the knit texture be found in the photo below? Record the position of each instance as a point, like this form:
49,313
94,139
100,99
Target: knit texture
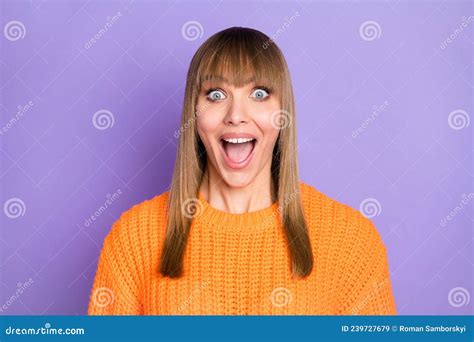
238,264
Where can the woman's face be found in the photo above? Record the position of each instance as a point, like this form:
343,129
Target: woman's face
237,128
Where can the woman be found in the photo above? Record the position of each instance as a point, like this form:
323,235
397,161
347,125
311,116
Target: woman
238,233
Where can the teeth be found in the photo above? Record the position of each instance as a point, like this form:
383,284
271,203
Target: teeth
238,140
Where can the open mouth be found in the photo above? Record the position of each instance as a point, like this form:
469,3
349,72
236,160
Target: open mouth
238,151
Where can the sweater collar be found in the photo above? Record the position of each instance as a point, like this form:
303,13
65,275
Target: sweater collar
259,219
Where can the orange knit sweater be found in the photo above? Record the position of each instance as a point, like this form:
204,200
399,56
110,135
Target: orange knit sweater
235,265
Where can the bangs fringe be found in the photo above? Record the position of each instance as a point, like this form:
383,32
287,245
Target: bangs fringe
239,60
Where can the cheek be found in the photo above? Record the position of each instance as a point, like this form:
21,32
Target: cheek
271,138
266,120
267,124
208,125
208,122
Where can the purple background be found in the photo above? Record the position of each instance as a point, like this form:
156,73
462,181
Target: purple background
411,159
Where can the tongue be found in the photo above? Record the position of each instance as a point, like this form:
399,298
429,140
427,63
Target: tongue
238,152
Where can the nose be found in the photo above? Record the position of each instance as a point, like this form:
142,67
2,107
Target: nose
237,112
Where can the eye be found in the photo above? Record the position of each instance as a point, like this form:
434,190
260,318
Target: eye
260,93
215,95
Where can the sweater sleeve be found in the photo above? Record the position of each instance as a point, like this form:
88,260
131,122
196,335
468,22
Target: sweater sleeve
115,290
370,291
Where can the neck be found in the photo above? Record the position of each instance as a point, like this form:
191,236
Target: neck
258,194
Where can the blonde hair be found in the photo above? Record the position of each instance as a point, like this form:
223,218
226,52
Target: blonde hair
237,53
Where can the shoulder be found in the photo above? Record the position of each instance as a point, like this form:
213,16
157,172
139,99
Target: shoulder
319,205
150,207
337,223
138,221
315,200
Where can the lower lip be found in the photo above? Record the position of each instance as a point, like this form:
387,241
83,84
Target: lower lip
237,166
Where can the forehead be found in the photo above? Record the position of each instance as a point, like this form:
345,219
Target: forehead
224,79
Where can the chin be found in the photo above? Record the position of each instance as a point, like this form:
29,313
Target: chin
237,180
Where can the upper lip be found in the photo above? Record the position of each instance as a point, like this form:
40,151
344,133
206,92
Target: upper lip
237,135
